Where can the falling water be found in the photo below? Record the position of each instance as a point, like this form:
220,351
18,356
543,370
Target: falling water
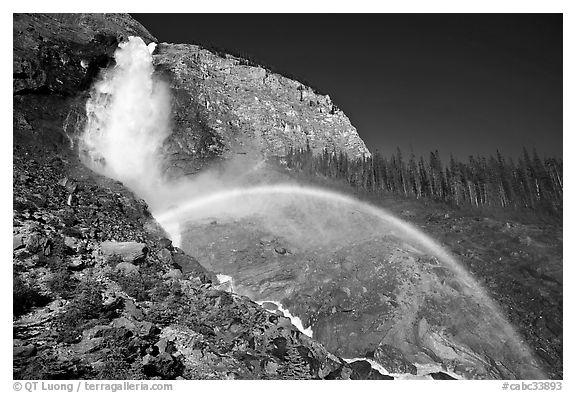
128,116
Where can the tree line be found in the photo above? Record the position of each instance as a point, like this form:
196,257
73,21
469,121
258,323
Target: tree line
529,182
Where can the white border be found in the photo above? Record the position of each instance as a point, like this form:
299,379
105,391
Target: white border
321,6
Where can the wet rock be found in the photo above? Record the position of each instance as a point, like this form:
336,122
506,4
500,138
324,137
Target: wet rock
165,243
393,360
441,376
127,251
364,371
192,268
361,369
343,372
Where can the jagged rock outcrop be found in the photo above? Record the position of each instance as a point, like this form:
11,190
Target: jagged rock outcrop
62,53
56,58
227,105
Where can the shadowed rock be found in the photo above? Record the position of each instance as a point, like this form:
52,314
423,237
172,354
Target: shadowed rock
441,376
393,360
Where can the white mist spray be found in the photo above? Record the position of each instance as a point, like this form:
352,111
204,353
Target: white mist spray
234,203
128,119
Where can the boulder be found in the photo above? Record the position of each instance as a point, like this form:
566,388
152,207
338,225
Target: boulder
147,329
71,242
164,256
33,242
127,251
127,268
165,243
70,185
132,310
17,242
76,264
24,351
95,332
173,273
125,323
88,345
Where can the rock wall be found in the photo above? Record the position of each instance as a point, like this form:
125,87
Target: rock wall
62,53
224,105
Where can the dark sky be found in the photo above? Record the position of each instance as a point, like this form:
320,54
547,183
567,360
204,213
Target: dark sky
460,83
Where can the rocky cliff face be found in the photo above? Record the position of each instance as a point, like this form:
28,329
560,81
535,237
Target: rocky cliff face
221,105
62,53
98,292
225,106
